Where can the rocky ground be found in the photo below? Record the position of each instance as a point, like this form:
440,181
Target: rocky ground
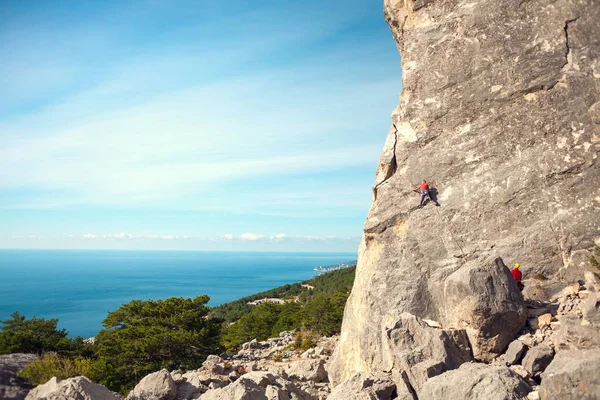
11,386
555,356
260,370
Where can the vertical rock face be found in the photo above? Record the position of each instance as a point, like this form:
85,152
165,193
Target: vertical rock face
500,112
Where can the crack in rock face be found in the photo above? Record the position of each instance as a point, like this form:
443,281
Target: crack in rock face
500,113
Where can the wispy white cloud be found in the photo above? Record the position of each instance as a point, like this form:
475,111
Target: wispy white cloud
123,235
27,237
251,236
161,152
278,238
252,113
226,237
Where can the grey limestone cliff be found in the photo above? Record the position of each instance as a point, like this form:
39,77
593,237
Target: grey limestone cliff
500,112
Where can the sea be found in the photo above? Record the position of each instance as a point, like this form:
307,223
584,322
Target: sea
80,287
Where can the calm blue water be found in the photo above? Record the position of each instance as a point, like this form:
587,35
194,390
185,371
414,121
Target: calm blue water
81,287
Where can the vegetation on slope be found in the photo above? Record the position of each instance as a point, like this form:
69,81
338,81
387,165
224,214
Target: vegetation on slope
52,364
145,336
321,314
326,284
319,310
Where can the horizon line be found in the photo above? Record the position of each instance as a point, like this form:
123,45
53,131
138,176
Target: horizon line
179,250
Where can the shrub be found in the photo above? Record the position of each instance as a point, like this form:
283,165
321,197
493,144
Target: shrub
278,356
324,314
304,340
540,277
51,364
593,260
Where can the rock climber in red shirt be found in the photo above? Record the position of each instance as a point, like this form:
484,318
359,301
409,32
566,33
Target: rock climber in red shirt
424,187
517,275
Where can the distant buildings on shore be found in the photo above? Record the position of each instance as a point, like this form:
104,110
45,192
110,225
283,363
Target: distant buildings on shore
322,270
319,269
266,300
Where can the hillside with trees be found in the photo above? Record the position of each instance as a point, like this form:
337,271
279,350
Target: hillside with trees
325,284
176,333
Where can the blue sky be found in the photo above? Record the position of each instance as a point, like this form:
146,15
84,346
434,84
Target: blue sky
192,124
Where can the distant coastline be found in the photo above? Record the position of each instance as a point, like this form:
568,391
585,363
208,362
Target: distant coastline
335,267
80,287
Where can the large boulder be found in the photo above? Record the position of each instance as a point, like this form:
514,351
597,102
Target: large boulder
484,300
80,388
156,386
572,375
364,386
499,111
12,387
473,381
421,352
478,305
306,370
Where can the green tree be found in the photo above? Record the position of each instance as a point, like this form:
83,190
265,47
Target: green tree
324,314
35,335
145,336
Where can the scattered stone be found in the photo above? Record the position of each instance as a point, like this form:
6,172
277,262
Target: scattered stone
572,375
527,340
242,389
431,323
568,291
537,359
262,379
365,386
189,389
533,395
80,388
521,371
216,385
177,376
156,386
574,334
308,353
257,386
306,370
540,322
233,376
514,352
214,364
253,344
